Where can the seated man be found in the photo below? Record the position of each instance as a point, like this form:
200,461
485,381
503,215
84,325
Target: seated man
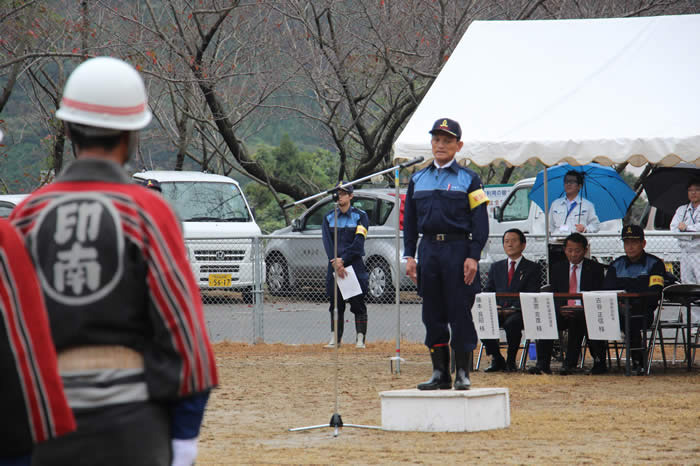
515,274
636,272
573,275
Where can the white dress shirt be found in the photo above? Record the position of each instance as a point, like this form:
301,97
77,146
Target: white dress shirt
691,217
563,220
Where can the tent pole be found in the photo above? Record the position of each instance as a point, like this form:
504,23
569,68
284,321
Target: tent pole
397,280
546,224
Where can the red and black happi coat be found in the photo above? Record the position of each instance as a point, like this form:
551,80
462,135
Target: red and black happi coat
33,407
112,263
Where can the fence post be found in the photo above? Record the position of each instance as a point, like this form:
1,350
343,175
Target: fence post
258,309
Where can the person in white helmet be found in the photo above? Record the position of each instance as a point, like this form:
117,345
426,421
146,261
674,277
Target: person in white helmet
125,310
33,405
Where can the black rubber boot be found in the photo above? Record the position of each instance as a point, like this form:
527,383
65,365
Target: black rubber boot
341,325
441,379
462,361
361,323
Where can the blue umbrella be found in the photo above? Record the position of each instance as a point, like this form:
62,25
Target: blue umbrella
603,186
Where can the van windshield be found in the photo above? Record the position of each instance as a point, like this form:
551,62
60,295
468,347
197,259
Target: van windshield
198,201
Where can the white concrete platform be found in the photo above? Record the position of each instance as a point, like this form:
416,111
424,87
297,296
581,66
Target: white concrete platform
445,410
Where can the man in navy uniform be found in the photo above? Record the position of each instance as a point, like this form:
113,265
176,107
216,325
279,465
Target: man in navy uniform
515,274
447,204
636,272
352,231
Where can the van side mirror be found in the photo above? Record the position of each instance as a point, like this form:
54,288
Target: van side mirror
296,225
497,213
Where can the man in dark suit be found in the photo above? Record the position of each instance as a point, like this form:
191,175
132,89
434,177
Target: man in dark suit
515,274
573,275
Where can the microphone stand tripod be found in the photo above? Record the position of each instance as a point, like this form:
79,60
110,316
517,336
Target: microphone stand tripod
336,421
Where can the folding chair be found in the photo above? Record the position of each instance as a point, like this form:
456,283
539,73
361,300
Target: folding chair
683,296
524,345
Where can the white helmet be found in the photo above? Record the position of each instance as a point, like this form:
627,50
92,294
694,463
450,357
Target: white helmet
105,92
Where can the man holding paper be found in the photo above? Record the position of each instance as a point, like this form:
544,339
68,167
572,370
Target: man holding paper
352,231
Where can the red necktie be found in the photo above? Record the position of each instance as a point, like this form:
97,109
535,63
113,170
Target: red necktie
511,272
573,285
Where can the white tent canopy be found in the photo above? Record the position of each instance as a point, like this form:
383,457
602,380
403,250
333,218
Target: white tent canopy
580,91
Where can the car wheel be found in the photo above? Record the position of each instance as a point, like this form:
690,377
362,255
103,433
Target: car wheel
277,275
380,286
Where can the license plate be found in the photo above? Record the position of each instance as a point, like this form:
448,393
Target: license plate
219,280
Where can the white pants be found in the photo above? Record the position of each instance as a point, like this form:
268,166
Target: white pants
690,274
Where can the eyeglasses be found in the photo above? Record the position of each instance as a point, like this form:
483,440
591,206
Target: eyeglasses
570,181
694,190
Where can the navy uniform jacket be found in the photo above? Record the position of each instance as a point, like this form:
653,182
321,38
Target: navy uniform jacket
526,279
446,200
647,274
352,231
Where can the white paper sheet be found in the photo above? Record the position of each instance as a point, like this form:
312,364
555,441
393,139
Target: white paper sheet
602,317
349,286
539,316
485,316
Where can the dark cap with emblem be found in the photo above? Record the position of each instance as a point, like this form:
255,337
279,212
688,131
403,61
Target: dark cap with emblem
347,189
448,126
632,232
153,184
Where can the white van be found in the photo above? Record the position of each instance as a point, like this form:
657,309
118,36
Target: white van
518,211
218,226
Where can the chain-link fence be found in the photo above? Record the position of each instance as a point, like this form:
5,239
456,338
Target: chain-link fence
272,288
603,247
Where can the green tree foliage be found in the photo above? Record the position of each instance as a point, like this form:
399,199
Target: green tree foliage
315,170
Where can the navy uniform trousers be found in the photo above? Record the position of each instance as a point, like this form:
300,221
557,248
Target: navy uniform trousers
446,298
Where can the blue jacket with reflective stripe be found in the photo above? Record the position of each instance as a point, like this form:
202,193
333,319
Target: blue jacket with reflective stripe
437,202
351,244
633,277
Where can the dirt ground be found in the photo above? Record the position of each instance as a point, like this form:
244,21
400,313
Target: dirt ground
578,419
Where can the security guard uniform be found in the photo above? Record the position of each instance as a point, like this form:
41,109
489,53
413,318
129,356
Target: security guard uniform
352,232
644,275
447,205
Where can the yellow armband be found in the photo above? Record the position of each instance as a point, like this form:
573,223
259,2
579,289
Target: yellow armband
655,280
476,198
360,230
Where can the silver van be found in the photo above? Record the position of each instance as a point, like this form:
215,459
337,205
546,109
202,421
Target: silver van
295,257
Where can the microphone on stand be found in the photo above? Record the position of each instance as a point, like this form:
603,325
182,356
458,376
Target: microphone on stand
412,162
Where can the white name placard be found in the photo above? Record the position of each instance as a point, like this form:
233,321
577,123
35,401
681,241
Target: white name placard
602,317
539,316
485,316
